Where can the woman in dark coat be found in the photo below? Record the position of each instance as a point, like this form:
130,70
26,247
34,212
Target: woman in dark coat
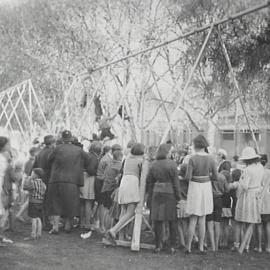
164,186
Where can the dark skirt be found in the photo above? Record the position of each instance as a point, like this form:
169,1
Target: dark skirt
265,218
163,207
35,210
98,187
63,199
106,199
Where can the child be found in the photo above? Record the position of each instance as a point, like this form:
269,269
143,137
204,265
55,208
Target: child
219,188
226,212
36,189
182,216
110,182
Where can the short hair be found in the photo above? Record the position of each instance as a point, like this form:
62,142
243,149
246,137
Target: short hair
227,175
117,155
116,147
106,149
95,147
32,151
235,157
251,161
264,159
163,151
200,142
49,140
137,149
39,172
236,174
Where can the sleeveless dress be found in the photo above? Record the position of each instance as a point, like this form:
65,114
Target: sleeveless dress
129,191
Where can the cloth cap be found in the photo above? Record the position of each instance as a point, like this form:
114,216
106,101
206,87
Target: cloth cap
200,142
49,139
248,153
66,135
223,152
116,147
39,172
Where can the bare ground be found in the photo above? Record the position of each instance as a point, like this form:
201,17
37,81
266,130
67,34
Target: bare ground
69,252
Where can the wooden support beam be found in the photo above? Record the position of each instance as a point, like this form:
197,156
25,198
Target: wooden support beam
190,33
122,243
181,98
237,88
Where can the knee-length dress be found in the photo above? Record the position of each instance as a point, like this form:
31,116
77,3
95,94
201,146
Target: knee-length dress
248,204
129,191
200,172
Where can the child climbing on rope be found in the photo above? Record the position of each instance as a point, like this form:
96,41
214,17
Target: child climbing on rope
104,123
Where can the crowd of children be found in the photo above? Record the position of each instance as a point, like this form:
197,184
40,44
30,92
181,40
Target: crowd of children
205,201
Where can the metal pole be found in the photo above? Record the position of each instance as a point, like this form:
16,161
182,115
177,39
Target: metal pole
197,30
181,99
225,52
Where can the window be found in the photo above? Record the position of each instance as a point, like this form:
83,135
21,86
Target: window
228,135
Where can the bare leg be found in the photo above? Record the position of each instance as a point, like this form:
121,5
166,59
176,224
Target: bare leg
34,228
260,232
217,234
130,210
181,232
88,213
191,230
39,228
56,220
247,236
268,236
210,228
201,222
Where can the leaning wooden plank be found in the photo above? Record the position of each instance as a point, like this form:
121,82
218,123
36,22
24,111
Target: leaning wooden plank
135,245
122,243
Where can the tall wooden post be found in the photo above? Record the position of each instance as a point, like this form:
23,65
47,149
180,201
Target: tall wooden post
181,98
225,52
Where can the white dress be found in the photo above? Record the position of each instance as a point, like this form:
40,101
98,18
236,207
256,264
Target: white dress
248,204
200,196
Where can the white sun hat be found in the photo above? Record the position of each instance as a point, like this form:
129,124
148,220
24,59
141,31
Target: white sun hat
248,153
222,152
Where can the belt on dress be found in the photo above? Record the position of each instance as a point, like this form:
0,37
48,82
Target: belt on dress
200,179
163,188
256,187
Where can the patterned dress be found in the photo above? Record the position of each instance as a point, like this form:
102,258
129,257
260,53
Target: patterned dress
248,203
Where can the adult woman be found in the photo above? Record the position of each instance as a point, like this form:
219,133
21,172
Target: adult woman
201,168
248,207
223,163
164,186
129,192
4,147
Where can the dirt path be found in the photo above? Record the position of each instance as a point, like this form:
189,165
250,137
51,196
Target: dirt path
69,252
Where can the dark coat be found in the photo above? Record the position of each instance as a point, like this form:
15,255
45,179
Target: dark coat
92,164
42,161
225,166
163,184
67,163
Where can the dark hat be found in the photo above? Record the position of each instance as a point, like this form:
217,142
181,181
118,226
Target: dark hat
200,142
49,139
39,172
116,147
66,135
